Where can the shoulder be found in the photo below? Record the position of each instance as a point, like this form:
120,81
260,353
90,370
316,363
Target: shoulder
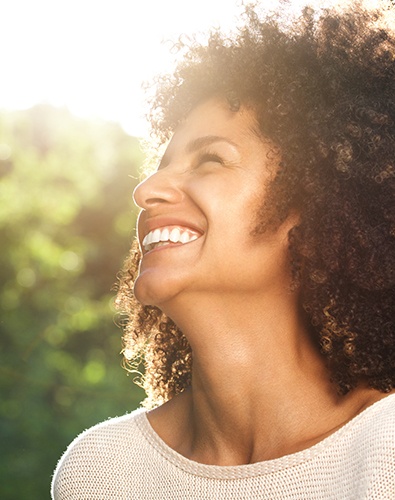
377,423
99,454
373,430
109,436
371,449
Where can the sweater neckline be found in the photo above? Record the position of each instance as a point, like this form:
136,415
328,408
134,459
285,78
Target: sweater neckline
257,468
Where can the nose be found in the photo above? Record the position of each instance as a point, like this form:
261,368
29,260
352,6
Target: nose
158,189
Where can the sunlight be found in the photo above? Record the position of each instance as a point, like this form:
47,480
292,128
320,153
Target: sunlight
92,56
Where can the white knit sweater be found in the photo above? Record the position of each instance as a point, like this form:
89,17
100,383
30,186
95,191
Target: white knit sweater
124,458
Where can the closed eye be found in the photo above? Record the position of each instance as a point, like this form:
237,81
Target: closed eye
209,157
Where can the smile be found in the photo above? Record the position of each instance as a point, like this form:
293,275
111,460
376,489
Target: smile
168,235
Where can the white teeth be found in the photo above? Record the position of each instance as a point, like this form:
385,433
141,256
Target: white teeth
165,234
155,236
184,237
160,237
175,235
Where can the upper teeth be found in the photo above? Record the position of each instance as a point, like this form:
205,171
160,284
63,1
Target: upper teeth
167,235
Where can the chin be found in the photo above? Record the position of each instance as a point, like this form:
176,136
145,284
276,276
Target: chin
151,293
143,295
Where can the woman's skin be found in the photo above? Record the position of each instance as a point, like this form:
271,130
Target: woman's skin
260,388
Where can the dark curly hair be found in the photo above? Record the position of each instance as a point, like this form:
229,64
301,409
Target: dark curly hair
323,90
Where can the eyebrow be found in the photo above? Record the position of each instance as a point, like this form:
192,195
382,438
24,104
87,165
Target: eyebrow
205,141
197,144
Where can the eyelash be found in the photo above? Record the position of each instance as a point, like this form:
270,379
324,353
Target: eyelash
209,157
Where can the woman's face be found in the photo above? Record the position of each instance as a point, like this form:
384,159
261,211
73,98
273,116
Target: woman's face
199,211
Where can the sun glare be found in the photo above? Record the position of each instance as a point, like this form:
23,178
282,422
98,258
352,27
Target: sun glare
93,55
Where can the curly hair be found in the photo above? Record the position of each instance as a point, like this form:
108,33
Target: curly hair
322,89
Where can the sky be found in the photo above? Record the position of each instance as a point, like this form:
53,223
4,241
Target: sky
92,56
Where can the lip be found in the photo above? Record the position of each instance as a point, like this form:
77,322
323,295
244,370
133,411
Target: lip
150,224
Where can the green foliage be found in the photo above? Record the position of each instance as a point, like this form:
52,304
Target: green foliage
66,222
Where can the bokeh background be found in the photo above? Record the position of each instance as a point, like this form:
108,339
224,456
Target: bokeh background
66,222
71,109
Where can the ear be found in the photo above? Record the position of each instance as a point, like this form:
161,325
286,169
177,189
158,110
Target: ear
292,221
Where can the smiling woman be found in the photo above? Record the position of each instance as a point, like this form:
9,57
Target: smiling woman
261,287
207,181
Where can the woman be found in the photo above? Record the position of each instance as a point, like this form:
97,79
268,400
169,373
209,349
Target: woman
262,291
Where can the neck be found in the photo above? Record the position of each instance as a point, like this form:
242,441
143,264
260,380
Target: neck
260,388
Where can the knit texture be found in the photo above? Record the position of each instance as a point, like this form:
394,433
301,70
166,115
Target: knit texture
123,458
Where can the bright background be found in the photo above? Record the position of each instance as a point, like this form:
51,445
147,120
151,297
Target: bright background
93,55
70,86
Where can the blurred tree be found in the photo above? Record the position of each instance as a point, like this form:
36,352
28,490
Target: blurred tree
66,222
